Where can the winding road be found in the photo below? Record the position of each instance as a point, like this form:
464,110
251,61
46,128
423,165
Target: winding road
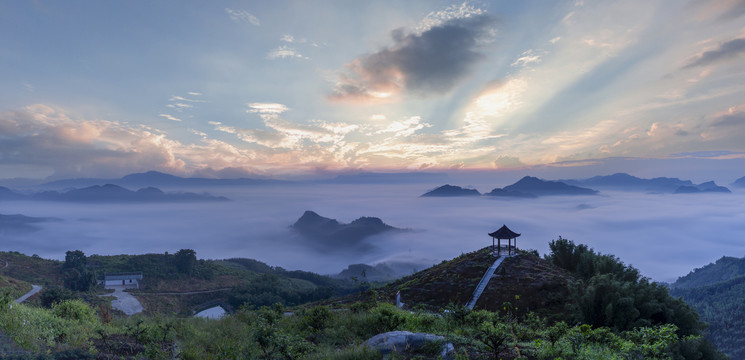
34,289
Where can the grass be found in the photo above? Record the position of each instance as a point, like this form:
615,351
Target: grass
16,287
31,269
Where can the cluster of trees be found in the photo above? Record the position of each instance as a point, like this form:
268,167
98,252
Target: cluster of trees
611,294
80,274
716,291
268,289
154,267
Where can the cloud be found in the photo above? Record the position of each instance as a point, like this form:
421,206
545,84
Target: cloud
725,51
526,59
731,119
267,108
242,15
405,128
47,137
181,104
291,39
284,52
181,98
507,162
431,60
169,117
54,141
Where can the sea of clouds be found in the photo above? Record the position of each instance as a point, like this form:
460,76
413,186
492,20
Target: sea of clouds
663,235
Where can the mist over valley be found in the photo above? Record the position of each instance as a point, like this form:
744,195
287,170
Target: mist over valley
665,235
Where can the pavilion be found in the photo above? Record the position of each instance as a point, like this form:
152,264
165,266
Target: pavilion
504,233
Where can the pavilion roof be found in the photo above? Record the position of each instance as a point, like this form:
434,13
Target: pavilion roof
504,233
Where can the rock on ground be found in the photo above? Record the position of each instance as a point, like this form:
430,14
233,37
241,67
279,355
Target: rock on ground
407,341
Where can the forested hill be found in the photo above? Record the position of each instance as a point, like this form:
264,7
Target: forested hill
726,268
717,291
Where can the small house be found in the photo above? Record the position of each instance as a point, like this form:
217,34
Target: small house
123,279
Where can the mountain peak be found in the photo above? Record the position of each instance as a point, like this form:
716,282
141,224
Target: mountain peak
329,233
539,187
451,190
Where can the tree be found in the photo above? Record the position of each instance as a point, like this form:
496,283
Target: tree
185,260
77,276
75,259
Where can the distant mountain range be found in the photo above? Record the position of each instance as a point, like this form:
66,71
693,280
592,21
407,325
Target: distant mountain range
626,182
527,187
20,223
532,186
708,186
110,193
330,234
155,178
451,190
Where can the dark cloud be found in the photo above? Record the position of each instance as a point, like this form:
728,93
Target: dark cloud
726,50
432,61
733,119
737,10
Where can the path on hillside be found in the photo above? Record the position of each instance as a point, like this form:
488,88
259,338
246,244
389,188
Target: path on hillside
484,281
124,301
34,289
6,265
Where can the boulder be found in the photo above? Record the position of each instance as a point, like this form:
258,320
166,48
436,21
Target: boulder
407,341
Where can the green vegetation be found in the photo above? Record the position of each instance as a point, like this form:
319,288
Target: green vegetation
172,283
609,293
320,333
15,287
575,304
78,276
716,291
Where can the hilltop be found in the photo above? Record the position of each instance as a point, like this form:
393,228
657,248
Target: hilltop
530,186
330,234
525,280
451,190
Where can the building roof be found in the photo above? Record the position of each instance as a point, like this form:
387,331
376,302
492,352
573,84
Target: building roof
123,276
504,233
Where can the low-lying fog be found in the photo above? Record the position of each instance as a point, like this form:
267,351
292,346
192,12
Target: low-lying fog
664,235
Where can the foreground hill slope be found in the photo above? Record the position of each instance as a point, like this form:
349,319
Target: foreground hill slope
524,280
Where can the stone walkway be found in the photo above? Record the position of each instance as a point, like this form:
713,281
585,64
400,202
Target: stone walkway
34,289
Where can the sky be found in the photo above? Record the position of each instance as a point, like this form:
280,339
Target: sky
281,88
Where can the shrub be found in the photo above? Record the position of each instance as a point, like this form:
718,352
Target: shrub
74,310
388,317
